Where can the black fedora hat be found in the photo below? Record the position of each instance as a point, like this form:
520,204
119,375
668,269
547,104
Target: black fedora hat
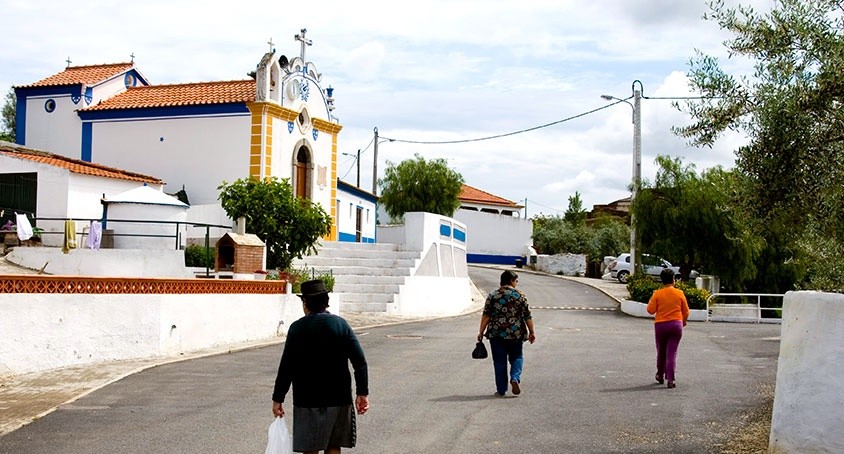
312,288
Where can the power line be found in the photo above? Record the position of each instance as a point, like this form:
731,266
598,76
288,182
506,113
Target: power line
498,136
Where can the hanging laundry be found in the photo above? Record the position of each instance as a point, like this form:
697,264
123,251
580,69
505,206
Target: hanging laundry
23,226
95,234
69,236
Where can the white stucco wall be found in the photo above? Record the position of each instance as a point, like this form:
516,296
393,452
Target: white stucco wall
198,153
47,331
59,131
103,262
807,415
496,235
453,296
158,213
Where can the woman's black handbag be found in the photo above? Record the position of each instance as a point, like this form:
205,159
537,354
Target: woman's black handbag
480,351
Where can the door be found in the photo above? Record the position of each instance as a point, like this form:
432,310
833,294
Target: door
359,225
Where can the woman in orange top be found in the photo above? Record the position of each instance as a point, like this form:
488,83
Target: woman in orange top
671,311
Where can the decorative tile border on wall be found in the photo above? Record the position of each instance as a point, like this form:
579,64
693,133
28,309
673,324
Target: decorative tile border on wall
119,285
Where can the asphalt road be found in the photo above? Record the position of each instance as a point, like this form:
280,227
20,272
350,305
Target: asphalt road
587,387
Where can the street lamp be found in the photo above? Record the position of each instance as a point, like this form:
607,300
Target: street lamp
375,160
357,163
637,160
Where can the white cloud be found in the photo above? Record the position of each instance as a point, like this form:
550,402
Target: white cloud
426,71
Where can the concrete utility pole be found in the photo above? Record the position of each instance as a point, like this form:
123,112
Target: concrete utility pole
637,171
637,164
375,163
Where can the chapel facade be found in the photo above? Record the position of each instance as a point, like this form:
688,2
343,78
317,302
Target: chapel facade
194,136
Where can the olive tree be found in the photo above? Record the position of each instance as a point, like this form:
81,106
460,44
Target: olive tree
289,226
790,110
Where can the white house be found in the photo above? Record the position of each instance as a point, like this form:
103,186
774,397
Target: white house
50,188
356,211
496,232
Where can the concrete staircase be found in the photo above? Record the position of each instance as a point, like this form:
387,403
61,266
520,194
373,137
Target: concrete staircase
367,276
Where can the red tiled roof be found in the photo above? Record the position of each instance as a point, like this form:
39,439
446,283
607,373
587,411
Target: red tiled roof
73,165
180,95
88,75
475,195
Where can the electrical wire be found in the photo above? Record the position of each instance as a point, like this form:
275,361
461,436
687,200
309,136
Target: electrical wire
498,136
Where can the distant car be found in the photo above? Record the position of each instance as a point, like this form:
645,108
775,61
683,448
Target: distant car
652,265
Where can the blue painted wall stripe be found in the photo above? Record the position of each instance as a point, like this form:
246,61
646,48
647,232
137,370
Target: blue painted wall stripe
20,120
460,235
445,230
351,238
493,259
175,111
87,140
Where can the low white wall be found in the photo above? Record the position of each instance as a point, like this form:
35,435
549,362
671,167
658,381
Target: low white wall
48,331
637,309
565,264
102,262
809,397
453,296
496,234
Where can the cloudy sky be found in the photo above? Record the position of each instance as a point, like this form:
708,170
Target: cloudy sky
429,71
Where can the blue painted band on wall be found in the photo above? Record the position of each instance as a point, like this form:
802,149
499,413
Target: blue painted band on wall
460,235
20,120
176,111
352,238
445,230
493,259
87,140
67,90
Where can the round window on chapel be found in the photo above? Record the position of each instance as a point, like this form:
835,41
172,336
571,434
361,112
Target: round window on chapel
50,105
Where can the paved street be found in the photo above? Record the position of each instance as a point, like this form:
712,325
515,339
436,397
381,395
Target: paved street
587,387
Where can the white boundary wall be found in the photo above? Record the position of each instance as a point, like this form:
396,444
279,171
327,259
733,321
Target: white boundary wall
48,331
809,398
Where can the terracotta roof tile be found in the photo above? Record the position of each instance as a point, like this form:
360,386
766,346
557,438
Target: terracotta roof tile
180,95
475,195
88,75
73,165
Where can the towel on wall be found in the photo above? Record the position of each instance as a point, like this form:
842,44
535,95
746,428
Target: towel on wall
23,226
69,236
95,234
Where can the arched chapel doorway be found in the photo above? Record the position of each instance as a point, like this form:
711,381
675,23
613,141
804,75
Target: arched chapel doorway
302,173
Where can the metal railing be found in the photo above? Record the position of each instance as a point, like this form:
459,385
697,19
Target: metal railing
744,307
177,228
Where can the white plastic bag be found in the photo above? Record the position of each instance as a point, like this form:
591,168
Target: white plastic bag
280,441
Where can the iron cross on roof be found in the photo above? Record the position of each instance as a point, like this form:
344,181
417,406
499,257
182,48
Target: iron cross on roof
305,42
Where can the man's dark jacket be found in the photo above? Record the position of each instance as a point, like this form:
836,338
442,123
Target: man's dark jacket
315,360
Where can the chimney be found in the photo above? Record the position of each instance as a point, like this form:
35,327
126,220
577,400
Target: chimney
240,226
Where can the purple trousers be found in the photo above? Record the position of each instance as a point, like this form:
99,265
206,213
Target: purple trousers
667,335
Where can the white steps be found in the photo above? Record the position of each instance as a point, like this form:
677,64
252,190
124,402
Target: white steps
366,275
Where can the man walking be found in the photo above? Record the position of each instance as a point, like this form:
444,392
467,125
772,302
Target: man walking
315,360
507,322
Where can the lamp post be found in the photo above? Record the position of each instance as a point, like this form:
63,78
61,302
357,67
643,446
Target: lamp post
637,161
357,164
375,143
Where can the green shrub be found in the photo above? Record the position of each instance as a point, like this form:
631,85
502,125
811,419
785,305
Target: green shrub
299,275
198,256
642,287
696,297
